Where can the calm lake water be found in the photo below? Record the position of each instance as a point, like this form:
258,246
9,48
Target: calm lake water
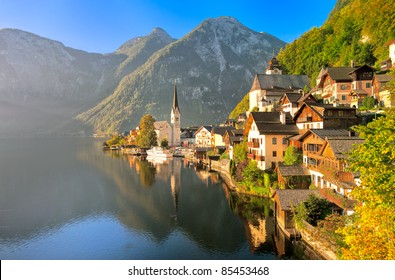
67,199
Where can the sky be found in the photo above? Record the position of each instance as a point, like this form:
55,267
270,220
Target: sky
104,25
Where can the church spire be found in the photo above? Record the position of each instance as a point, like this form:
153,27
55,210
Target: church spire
175,99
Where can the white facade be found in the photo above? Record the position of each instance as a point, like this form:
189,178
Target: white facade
392,52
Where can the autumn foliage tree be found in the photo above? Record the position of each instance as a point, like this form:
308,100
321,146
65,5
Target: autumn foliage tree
371,232
147,136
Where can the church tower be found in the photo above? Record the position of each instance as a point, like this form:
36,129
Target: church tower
175,120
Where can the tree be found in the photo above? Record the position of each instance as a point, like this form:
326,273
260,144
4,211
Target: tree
147,136
312,210
240,152
291,156
164,143
371,232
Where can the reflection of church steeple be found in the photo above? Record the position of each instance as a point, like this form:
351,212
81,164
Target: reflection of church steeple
175,185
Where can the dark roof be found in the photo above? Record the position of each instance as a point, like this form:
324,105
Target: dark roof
266,117
382,78
291,198
293,97
342,146
330,133
340,73
282,81
277,128
361,67
221,130
307,96
293,170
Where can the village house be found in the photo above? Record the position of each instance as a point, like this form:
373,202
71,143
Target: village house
217,136
295,176
232,138
324,116
361,86
267,134
285,202
268,88
387,64
342,85
383,95
292,101
325,156
188,136
203,136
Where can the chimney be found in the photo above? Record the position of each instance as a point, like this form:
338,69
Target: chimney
352,63
282,118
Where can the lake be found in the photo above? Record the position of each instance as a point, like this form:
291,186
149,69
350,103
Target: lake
67,199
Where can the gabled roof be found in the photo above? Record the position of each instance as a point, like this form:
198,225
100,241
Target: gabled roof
221,130
277,128
341,146
320,110
308,98
340,73
266,82
206,127
326,133
293,170
382,78
293,97
159,125
289,199
270,123
359,68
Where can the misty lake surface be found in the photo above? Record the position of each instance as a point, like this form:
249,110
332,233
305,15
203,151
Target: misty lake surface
67,199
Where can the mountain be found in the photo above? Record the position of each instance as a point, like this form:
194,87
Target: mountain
213,67
44,84
355,30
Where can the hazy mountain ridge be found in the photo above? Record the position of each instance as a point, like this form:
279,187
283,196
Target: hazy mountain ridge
213,66
44,84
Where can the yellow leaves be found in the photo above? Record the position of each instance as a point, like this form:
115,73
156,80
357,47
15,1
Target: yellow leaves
371,236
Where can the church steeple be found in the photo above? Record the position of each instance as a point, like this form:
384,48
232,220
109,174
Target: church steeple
175,99
175,119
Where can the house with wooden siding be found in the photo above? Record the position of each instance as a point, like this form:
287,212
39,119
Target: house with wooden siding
345,85
380,92
324,116
292,101
285,203
232,138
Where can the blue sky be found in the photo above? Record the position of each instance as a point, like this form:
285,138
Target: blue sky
103,25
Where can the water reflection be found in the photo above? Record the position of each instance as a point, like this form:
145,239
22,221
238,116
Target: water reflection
66,199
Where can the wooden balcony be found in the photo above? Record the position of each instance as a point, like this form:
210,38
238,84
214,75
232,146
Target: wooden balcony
253,144
250,156
260,158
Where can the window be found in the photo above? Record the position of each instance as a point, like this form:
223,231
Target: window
368,85
285,141
274,153
343,87
274,140
283,153
341,113
343,97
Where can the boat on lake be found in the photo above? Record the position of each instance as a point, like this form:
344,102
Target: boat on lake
158,152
